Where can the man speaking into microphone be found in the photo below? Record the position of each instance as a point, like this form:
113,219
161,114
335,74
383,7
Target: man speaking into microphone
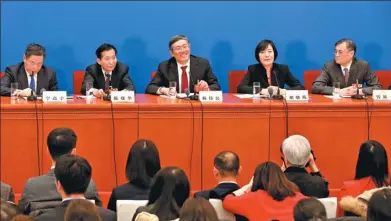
31,75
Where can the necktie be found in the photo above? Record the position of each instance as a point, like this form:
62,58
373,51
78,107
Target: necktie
185,82
32,82
107,81
346,71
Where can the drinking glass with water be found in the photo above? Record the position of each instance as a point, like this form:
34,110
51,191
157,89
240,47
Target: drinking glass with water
256,90
172,89
336,89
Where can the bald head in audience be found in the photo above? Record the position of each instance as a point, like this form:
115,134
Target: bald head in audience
226,166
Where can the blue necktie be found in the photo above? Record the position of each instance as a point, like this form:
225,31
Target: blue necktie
32,83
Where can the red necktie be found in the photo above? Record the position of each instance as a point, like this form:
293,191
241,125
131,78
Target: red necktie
185,82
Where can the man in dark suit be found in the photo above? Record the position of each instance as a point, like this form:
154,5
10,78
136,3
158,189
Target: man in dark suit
6,192
389,87
60,141
296,150
31,75
345,69
72,176
107,73
226,169
186,70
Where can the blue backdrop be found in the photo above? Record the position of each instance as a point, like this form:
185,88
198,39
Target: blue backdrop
224,32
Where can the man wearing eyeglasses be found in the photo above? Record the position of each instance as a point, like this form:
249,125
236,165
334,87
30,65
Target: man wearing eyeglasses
106,74
186,71
348,71
29,77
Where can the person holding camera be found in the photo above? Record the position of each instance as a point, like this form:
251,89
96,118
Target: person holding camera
297,155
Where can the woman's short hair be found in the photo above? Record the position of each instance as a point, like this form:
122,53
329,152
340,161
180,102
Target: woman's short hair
198,209
310,209
373,162
379,206
269,177
169,189
262,45
143,163
8,210
81,209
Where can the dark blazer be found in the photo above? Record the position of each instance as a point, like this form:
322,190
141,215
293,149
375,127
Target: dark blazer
313,184
57,214
332,72
119,78
219,192
167,71
46,78
6,192
127,191
257,73
43,188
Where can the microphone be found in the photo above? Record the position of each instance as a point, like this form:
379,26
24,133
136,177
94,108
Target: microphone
357,95
270,91
32,97
187,92
41,91
107,97
278,96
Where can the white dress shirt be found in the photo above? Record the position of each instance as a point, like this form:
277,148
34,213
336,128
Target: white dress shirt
104,74
29,80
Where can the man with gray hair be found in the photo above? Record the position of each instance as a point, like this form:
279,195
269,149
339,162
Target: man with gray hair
187,71
296,152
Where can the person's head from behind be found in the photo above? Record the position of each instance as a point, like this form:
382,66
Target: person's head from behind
379,206
310,209
61,141
266,53
296,150
73,175
344,51
226,166
373,162
197,209
8,210
33,58
81,210
106,57
269,177
179,46
143,163
169,189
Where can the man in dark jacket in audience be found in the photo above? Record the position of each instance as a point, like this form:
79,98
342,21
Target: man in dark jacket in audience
73,175
226,169
296,150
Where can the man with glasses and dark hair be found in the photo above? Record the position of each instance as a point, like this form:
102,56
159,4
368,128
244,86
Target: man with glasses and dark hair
31,75
347,70
107,73
183,68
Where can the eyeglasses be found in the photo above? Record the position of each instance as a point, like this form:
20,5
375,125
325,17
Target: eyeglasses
183,47
341,51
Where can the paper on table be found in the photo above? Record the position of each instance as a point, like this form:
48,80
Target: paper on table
179,95
249,96
343,96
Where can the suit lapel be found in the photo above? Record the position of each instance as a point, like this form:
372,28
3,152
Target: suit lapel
114,78
100,77
263,75
22,79
340,76
41,78
352,74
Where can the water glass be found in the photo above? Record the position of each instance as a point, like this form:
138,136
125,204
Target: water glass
14,88
256,90
336,89
89,92
172,89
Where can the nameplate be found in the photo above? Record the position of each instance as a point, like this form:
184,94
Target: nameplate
296,95
210,96
54,97
381,95
122,96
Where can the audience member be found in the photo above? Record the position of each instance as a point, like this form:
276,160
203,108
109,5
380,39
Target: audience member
8,210
6,192
169,190
310,209
379,206
81,210
73,175
142,164
197,209
269,195
39,189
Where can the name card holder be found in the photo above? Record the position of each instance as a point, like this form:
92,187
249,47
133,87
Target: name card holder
122,96
210,96
296,95
54,97
381,95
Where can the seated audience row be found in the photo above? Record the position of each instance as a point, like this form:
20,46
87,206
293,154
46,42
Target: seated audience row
193,73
